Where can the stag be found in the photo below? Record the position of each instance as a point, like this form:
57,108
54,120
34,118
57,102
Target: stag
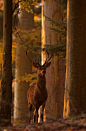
37,94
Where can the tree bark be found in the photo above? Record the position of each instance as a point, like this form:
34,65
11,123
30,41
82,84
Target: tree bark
1,27
55,76
6,84
23,65
75,89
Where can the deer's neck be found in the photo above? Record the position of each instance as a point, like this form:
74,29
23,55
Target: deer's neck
41,82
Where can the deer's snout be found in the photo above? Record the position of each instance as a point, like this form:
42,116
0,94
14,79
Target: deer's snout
44,71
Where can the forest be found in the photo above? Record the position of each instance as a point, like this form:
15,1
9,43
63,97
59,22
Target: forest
42,63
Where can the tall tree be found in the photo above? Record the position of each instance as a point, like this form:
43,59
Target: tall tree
56,74
6,84
1,26
23,65
75,90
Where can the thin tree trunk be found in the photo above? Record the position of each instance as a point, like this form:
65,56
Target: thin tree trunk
6,84
75,92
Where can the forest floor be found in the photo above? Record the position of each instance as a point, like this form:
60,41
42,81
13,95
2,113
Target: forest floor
69,124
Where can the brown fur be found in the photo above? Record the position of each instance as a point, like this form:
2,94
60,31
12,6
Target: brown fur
37,94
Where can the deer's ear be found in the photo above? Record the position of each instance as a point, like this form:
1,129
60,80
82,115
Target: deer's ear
35,65
48,64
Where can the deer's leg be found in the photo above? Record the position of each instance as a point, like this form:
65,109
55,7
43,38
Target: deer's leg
36,115
43,106
30,110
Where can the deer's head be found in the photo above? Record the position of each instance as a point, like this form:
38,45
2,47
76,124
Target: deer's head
41,69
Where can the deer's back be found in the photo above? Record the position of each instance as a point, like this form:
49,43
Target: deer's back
36,96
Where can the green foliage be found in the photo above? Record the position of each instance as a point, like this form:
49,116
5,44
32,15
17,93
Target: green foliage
59,49
60,28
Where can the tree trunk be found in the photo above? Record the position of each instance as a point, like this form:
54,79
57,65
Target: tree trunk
55,76
6,84
23,65
1,27
75,92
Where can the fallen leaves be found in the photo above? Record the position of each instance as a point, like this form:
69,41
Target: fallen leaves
52,125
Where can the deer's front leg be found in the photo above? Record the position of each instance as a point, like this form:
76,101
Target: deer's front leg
30,110
42,115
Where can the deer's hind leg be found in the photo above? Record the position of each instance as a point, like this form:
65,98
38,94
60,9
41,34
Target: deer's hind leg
36,115
30,112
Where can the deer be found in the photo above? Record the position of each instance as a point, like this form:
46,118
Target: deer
37,94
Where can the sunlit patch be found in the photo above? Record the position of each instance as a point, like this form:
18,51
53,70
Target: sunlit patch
5,130
38,5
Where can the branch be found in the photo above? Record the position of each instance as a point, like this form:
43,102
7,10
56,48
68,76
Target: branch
16,6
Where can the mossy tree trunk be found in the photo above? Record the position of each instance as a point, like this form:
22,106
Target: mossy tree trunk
75,89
